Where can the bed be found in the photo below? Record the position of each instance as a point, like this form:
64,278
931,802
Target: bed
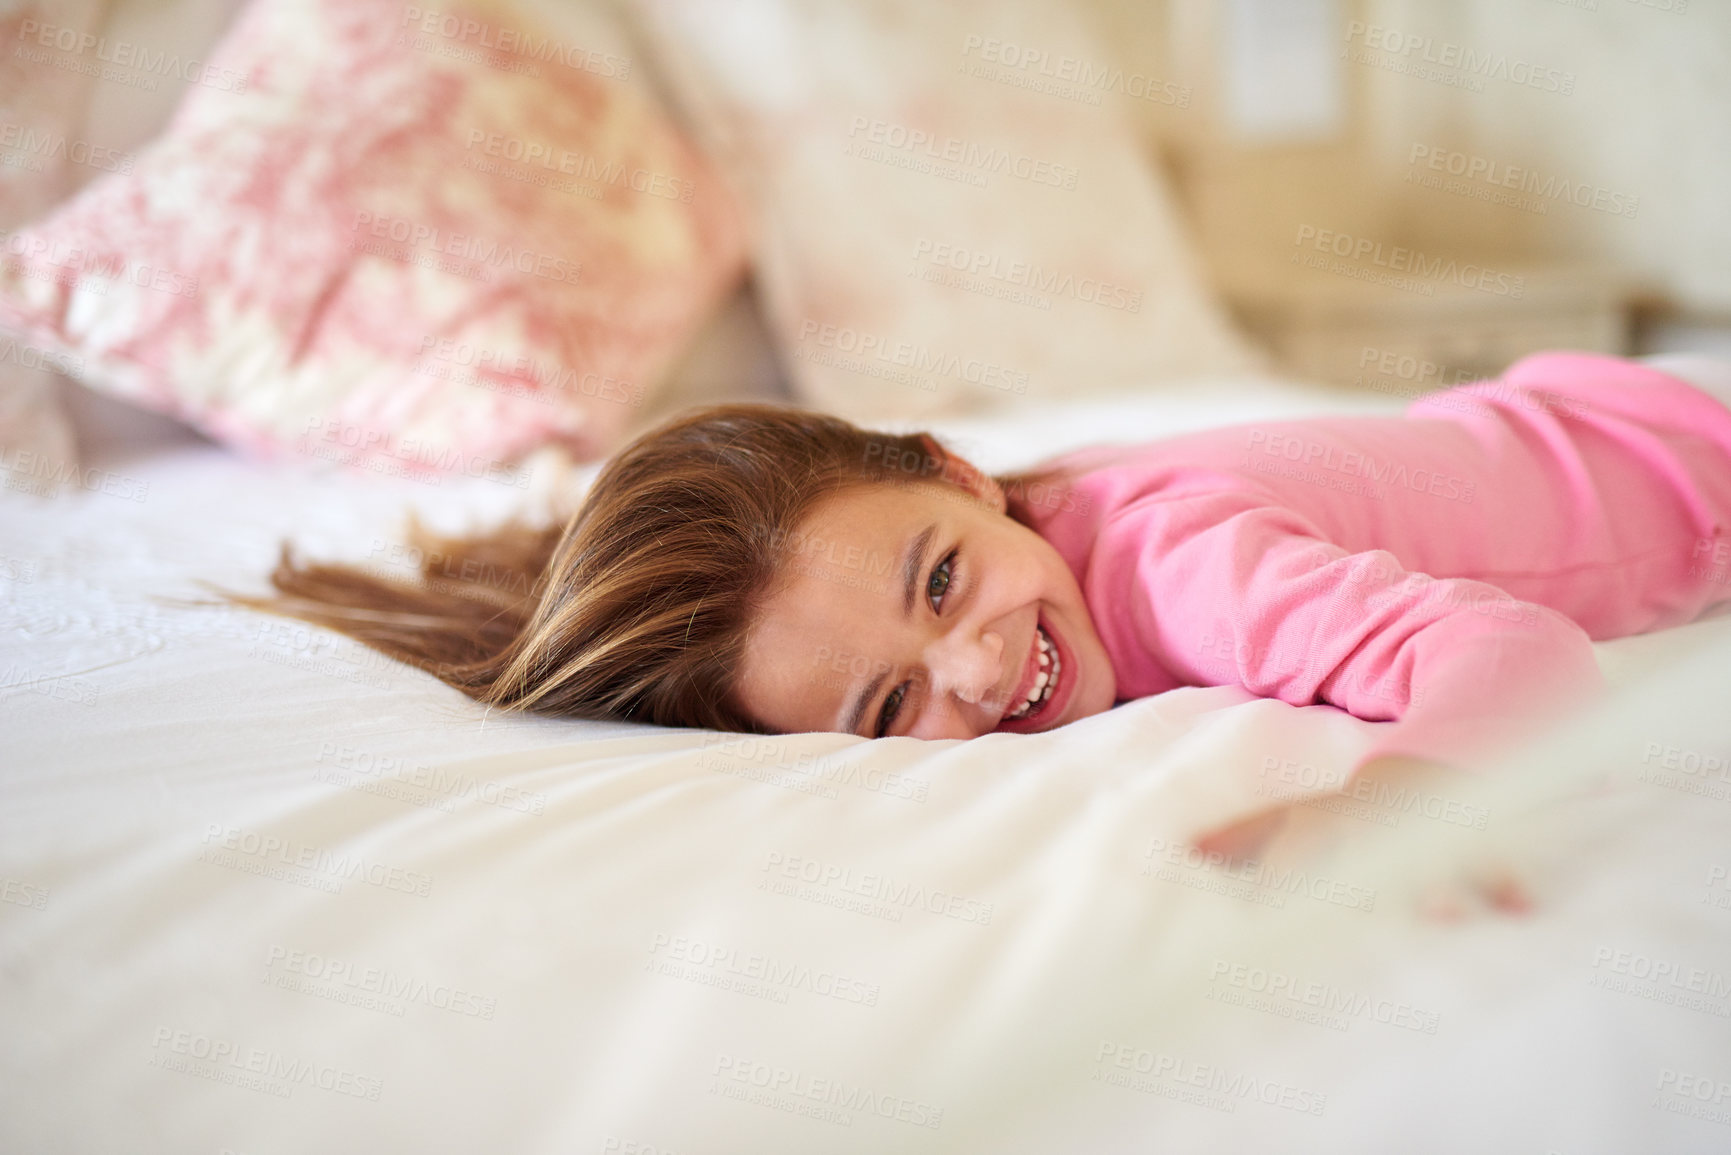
266,892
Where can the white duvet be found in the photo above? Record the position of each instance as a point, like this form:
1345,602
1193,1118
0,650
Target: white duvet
265,892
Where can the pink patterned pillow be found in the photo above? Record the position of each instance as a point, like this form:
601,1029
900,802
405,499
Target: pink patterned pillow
405,238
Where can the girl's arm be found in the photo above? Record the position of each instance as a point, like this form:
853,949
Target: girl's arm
1217,589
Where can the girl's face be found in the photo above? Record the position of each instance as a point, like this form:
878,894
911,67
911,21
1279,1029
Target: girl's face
923,610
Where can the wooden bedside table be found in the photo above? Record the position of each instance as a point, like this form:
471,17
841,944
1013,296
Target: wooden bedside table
1391,328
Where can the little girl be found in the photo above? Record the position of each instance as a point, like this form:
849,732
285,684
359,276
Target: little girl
761,569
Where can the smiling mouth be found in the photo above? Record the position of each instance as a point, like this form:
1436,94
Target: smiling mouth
1045,679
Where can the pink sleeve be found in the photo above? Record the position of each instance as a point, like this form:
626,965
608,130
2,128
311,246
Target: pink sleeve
1218,589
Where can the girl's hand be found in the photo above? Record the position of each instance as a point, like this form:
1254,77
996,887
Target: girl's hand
1245,838
1483,890
1293,834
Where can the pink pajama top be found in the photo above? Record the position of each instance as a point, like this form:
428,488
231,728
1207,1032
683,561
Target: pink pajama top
1446,569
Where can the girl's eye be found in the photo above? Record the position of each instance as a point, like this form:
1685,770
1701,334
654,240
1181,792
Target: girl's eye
936,586
940,581
892,706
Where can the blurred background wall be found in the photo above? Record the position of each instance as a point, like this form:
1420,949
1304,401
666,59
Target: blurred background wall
1583,146
1393,194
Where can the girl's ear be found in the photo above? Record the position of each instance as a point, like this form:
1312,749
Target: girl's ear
961,472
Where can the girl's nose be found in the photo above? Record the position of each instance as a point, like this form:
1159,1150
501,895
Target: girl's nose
969,668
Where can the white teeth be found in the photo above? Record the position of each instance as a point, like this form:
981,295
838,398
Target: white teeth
1045,679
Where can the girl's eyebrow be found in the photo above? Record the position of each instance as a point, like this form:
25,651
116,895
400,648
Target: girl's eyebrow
856,713
912,563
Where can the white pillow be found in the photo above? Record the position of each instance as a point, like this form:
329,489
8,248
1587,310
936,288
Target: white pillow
940,226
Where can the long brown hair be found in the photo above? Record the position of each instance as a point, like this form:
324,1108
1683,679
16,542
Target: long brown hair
638,608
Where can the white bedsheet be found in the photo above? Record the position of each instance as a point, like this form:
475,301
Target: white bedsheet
266,893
